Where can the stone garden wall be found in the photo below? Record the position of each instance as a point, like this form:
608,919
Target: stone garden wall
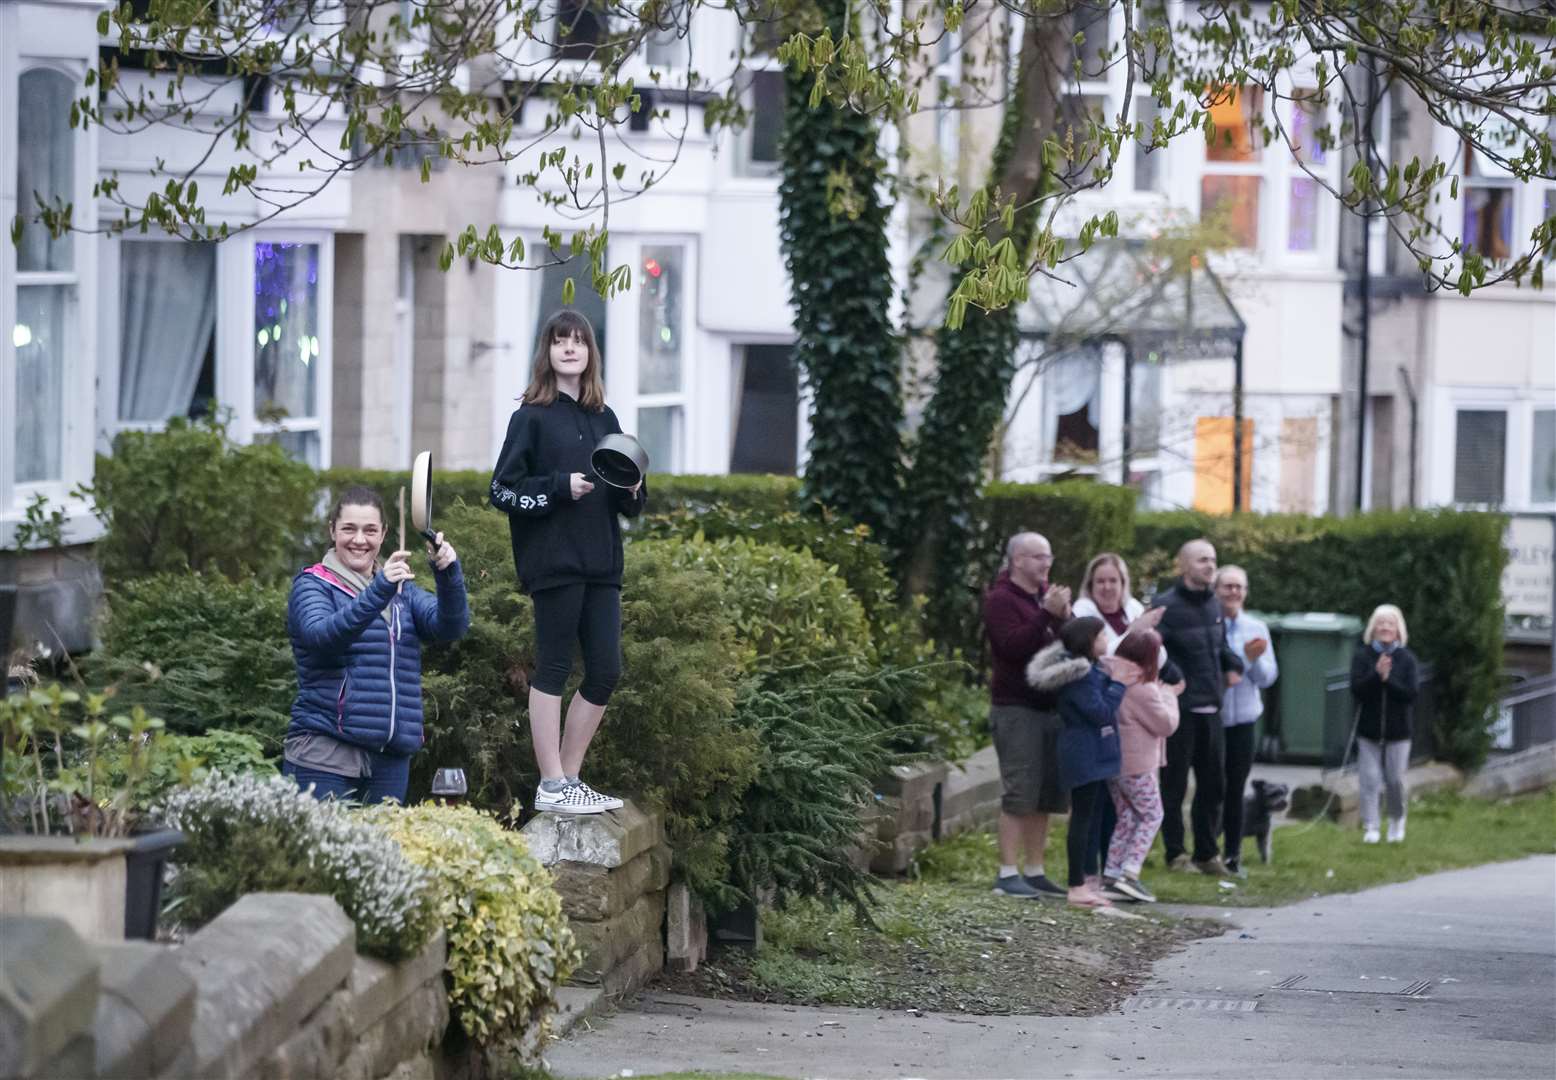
271,989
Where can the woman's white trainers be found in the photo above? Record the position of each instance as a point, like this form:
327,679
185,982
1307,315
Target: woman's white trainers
1396,832
606,802
570,799
1371,836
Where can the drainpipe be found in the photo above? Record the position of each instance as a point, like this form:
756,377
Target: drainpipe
1237,427
1366,294
1410,393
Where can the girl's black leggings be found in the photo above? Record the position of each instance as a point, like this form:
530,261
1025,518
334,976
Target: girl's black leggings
1085,826
589,615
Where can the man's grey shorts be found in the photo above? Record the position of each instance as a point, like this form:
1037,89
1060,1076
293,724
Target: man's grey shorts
1026,740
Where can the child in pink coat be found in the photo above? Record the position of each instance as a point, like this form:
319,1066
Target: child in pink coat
1146,716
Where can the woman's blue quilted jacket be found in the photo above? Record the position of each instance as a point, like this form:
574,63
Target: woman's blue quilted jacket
359,675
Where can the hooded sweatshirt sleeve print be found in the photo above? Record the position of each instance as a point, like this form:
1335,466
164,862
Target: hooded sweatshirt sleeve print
519,486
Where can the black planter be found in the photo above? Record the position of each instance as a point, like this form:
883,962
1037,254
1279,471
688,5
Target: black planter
145,866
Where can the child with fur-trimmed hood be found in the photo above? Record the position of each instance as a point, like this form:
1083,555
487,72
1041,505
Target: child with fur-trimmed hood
1089,753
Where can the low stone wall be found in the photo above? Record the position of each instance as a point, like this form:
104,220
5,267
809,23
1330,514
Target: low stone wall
612,871
920,803
272,988
1531,770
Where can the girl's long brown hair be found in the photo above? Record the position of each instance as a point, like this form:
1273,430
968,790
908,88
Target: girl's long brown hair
1144,648
542,383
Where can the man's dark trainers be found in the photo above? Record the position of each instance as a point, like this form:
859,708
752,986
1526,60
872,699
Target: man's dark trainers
1015,885
1047,889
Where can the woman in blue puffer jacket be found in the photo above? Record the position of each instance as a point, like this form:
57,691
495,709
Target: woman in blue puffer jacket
356,631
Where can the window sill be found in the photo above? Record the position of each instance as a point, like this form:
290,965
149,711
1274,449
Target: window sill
80,526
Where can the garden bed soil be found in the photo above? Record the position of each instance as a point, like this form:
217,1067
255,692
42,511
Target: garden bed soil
948,948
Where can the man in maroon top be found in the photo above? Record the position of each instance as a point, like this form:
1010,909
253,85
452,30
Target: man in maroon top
1021,614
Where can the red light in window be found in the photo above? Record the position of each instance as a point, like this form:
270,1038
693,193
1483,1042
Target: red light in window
652,267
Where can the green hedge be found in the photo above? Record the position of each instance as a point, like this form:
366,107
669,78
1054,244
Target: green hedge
1442,567
1079,519
764,493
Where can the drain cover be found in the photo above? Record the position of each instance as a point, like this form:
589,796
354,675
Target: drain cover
1228,1005
1321,985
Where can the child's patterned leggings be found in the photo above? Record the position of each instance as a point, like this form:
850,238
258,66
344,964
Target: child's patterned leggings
1138,802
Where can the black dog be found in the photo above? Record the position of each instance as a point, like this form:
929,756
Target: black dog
1265,800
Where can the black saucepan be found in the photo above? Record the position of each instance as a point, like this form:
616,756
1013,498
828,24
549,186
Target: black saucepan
620,461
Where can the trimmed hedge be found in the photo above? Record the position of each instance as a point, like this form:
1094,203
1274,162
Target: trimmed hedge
768,494
1442,567
1079,519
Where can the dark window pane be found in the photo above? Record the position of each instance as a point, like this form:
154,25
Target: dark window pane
587,302
766,116
1480,456
1148,162
767,387
1091,21
580,28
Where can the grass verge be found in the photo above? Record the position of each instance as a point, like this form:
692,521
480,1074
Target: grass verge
1446,832
945,947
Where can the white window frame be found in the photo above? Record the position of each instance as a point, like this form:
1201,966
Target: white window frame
76,458
1287,169
235,342
1520,405
1263,170
630,249
109,366
761,174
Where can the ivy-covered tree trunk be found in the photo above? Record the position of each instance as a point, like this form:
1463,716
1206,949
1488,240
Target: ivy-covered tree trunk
833,228
975,363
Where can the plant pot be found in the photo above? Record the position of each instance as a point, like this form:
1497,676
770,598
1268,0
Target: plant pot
145,867
87,882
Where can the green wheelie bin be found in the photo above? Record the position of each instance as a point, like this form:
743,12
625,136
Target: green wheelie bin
1310,647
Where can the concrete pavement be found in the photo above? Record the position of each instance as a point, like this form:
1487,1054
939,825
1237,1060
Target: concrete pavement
1451,976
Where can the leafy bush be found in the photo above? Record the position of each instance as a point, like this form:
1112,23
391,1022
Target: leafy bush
70,767
787,606
190,758
509,945
248,833
202,652
188,498
668,737
1443,568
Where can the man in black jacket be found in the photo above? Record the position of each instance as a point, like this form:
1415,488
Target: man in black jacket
1195,637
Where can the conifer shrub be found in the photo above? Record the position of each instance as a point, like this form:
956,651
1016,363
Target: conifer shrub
202,652
188,498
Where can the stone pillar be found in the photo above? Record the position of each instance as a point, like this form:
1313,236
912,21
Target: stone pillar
686,929
910,812
612,871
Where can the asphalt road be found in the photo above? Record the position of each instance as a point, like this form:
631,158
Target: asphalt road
1452,976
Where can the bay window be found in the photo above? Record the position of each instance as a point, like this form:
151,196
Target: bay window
1480,456
1542,457
167,330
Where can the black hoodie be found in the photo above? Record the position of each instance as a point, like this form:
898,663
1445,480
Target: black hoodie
556,540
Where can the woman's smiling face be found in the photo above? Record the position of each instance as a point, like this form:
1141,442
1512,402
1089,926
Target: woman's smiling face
358,534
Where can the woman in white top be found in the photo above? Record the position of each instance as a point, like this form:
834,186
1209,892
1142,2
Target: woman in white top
1105,594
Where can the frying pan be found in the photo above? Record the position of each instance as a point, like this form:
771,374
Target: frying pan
620,461
421,498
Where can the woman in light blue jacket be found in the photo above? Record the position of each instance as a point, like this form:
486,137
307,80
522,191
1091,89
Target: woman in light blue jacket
1243,701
